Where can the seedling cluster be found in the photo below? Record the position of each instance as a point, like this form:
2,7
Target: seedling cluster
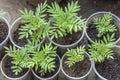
42,57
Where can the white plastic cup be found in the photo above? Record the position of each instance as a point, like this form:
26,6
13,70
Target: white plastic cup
90,19
75,78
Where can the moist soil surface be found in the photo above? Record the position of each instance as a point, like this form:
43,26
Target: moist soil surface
2,51
69,38
110,69
92,32
48,74
19,42
79,69
3,31
9,72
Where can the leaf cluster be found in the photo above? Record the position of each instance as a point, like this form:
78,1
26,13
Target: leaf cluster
64,20
44,58
33,55
19,58
104,25
74,55
35,25
101,49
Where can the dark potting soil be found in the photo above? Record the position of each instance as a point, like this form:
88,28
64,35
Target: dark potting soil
48,74
79,69
92,33
63,3
69,38
61,51
110,69
19,42
9,72
2,50
3,31
2,53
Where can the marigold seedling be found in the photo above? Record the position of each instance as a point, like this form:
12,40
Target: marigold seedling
74,55
64,21
104,24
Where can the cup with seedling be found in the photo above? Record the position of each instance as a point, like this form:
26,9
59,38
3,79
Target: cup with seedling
100,24
31,25
66,27
15,64
106,58
45,61
76,64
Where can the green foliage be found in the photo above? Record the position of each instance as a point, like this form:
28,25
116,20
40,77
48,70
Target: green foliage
44,58
104,24
108,39
20,58
33,55
74,55
65,20
100,50
36,27
2,13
